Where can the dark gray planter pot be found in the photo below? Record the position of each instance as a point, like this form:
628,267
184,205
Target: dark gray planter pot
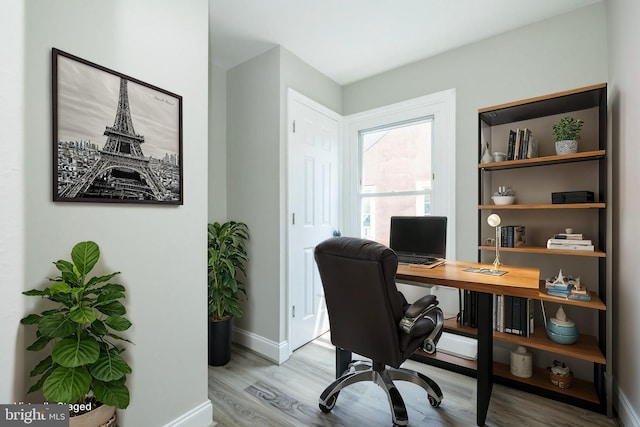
220,342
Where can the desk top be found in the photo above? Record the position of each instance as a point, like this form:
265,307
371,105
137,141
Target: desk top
518,281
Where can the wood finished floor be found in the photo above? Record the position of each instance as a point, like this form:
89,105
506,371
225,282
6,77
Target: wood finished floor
252,391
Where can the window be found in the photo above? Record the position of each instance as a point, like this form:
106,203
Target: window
395,175
400,160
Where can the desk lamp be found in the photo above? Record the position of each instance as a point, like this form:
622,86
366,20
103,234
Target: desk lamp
494,221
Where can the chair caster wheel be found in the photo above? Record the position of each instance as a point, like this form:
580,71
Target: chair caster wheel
434,402
331,402
429,347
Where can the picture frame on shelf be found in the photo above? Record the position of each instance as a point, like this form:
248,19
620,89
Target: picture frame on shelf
116,139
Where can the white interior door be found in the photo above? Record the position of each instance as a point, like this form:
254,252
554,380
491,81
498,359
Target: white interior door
313,211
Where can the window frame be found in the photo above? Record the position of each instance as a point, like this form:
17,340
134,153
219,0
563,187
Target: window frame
441,107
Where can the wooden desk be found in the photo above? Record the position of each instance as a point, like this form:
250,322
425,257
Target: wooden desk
518,281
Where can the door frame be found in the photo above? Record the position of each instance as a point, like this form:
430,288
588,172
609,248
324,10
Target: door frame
294,96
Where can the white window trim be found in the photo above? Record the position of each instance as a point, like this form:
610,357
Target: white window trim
440,105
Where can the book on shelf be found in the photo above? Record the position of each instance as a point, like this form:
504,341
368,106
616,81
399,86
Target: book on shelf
532,145
569,295
570,247
570,241
516,144
524,144
569,236
511,145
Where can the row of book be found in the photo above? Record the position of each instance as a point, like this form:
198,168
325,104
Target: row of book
512,236
512,315
522,145
570,242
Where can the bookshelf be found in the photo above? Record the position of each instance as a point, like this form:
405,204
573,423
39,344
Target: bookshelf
533,180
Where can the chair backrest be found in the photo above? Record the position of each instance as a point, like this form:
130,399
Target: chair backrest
363,303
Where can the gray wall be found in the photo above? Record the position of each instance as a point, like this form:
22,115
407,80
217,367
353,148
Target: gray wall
624,103
256,176
253,177
12,178
160,250
217,144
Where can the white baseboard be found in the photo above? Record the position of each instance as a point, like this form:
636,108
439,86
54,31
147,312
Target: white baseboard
626,413
276,352
200,416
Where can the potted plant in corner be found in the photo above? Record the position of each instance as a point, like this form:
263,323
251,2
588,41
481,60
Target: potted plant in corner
566,134
85,368
227,267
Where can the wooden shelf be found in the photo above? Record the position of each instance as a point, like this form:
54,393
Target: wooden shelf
543,250
545,160
586,348
546,105
546,206
595,303
579,389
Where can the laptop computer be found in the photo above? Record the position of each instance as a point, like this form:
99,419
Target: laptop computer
419,239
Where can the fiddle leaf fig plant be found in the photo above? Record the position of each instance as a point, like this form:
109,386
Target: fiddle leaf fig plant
227,267
567,129
82,329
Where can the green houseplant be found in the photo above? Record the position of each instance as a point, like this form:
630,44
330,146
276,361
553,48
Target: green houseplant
227,267
85,365
566,134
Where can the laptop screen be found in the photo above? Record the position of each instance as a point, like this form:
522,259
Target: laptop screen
419,236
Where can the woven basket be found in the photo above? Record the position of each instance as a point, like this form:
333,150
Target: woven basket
102,416
561,381
566,147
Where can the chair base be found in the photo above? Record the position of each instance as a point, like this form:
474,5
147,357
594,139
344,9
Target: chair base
383,377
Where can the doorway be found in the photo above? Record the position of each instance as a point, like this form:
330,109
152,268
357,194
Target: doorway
313,210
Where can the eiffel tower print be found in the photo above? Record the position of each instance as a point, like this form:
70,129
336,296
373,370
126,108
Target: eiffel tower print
121,171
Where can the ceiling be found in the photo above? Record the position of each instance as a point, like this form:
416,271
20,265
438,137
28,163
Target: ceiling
349,40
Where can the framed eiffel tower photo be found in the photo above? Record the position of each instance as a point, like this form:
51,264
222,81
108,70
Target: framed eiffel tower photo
116,139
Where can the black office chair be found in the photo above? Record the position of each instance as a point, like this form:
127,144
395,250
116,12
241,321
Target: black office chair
370,317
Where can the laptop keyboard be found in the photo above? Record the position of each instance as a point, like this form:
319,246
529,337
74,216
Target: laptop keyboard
417,259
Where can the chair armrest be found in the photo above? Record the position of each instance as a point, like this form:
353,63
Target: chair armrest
416,321
424,318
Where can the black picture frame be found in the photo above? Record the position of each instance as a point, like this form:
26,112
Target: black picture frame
116,139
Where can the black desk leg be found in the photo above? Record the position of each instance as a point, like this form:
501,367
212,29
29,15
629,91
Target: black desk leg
343,358
485,355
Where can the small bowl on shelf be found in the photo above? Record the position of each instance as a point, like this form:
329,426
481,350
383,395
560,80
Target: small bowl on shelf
499,156
503,200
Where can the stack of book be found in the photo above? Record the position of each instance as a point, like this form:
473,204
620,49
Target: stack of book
570,242
567,288
522,145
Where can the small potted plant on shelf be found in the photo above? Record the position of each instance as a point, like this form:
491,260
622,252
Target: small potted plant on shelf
227,268
566,134
85,368
504,196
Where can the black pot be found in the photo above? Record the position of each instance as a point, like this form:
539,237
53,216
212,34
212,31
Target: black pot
220,342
